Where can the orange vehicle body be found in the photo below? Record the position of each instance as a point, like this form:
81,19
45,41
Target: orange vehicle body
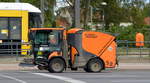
99,44
73,53
54,54
35,29
75,48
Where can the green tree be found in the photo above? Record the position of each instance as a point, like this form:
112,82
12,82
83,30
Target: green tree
146,10
135,13
48,10
112,13
7,0
85,7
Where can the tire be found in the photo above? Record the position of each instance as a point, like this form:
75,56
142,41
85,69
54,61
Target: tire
86,70
40,67
56,65
74,69
94,65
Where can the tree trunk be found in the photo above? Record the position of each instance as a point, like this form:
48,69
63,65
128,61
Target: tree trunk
86,12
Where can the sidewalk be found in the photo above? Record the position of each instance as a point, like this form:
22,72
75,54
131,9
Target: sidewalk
13,63
15,66
134,66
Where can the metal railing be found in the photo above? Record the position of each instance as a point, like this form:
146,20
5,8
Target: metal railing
13,49
127,51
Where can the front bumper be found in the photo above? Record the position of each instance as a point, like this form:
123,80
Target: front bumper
41,61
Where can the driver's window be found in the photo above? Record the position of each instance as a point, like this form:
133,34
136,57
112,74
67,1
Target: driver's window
52,39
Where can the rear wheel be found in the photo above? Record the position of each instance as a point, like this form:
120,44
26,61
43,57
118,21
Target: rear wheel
94,65
56,65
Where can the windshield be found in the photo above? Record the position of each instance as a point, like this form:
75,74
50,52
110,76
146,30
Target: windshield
46,37
35,20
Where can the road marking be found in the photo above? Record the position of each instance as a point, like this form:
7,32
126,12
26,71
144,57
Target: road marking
12,78
67,79
116,76
131,81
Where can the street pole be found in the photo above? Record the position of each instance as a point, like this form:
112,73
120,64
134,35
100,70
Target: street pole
91,16
42,10
17,1
103,15
77,14
103,12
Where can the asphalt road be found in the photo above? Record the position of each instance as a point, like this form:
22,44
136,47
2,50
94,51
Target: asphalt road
108,76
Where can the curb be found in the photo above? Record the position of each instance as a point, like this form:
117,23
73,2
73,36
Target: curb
138,66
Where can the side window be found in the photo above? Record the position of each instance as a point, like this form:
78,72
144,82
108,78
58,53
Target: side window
34,20
10,28
53,38
3,28
15,28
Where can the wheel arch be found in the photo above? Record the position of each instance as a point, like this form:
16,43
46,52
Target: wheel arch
100,60
60,57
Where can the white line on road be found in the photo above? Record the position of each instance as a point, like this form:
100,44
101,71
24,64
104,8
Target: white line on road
67,79
131,81
12,78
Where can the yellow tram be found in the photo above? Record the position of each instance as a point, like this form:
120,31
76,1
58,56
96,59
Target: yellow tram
15,21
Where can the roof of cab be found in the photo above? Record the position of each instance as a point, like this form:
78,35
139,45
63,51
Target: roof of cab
36,29
74,30
19,6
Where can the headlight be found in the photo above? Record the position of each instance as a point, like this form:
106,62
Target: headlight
44,48
40,57
41,48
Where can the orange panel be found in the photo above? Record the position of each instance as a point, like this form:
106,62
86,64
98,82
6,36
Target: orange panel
109,56
73,53
96,42
74,30
139,39
34,29
55,53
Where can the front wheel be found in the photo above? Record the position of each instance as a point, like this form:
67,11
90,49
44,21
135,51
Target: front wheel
56,65
94,65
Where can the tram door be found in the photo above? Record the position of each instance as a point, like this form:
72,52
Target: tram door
10,32
10,29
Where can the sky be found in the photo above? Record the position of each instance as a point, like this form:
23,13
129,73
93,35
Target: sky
147,1
60,3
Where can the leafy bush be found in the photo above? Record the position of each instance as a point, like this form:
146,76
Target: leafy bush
128,33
